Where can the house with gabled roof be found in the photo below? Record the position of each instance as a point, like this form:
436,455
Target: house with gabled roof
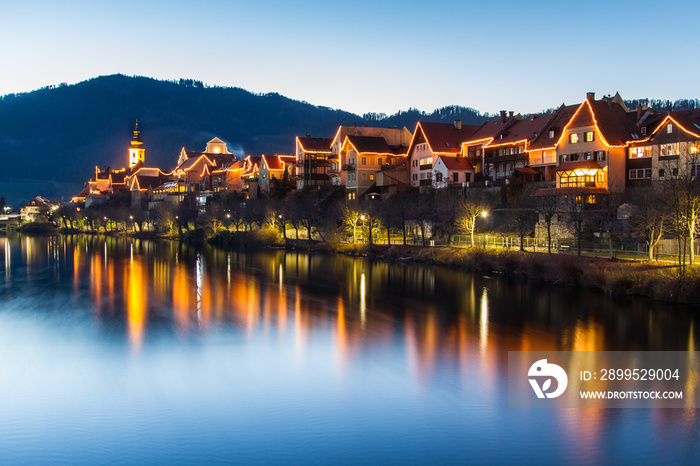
431,140
273,167
394,137
592,148
452,172
365,156
670,148
498,148
228,177
312,164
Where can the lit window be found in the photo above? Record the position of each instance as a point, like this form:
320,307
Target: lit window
638,152
669,128
589,136
573,138
588,156
600,156
364,160
371,177
669,150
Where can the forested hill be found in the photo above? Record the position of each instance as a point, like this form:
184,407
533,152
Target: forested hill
62,132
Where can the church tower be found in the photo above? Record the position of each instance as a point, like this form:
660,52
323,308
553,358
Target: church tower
136,151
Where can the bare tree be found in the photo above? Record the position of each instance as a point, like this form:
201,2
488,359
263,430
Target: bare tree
648,216
476,203
547,206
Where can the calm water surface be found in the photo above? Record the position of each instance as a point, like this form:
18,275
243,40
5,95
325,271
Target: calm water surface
129,351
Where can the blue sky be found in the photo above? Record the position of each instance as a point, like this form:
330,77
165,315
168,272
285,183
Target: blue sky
366,56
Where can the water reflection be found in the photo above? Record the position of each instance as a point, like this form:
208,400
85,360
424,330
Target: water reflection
446,329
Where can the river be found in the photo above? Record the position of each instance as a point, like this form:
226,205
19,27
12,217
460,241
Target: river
117,350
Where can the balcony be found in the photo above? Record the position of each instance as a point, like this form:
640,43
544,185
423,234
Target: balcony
333,173
426,166
349,167
546,160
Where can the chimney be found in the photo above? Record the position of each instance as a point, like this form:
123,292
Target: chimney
308,136
503,116
458,124
510,114
590,96
639,113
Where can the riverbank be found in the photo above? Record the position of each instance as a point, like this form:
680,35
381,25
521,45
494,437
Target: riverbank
655,280
613,277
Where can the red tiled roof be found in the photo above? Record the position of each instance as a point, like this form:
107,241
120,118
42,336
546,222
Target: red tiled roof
273,162
522,129
489,129
444,137
310,144
370,144
557,123
456,163
614,122
573,165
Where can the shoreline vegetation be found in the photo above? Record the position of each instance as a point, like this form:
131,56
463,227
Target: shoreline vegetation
614,277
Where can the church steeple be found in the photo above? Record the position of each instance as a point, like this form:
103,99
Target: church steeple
136,151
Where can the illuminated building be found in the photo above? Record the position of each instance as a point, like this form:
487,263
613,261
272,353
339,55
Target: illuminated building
432,140
365,156
137,153
311,166
394,137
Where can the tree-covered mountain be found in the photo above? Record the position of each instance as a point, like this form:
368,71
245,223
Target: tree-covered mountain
61,133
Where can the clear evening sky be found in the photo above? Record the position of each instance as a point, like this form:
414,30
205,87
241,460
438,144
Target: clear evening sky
366,56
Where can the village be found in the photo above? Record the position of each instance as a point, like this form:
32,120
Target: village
592,172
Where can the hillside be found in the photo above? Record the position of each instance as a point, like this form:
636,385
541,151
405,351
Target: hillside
61,133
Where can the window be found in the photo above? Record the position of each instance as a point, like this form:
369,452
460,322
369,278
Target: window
364,160
551,134
644,130
640,173
415,177
588,156
589,136
563,158
364,177
371,177
638,152
669,150
674,171
694,147
669,128
379,161
662,173
573,138
371,160
695,170
455,177
574,157
600,156
438,177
